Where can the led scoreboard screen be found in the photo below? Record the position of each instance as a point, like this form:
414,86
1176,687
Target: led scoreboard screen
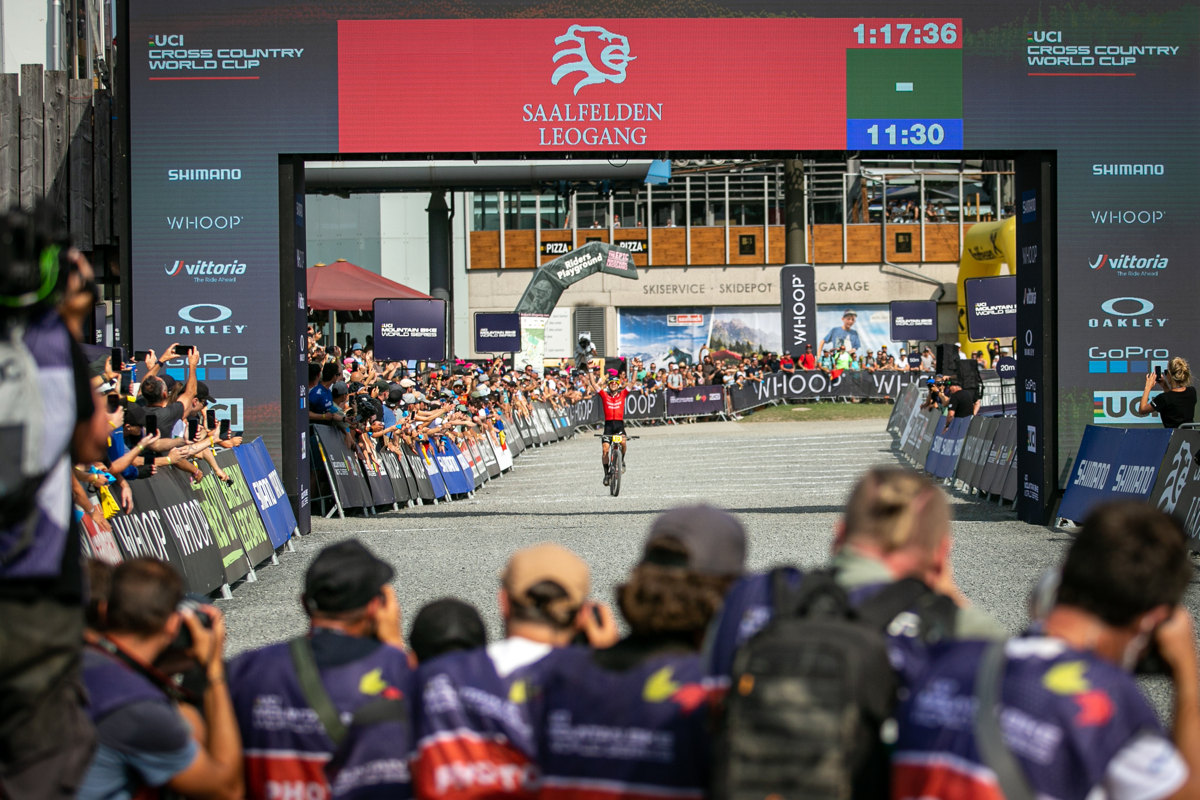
560,85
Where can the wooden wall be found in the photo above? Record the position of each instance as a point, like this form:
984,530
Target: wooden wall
668,246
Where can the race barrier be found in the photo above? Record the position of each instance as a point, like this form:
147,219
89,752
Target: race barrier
214,532
1115,464
976,454
815,385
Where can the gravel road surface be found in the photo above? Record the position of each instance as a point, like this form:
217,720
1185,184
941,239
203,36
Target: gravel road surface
785,481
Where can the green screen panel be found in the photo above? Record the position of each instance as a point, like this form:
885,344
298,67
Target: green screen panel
872,77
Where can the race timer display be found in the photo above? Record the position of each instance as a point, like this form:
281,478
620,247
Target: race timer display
904,85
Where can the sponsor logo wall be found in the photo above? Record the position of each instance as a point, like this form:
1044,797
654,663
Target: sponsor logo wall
217,93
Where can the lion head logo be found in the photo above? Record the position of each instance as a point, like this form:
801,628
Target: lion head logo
596,52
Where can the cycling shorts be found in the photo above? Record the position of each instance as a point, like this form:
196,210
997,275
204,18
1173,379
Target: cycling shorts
613,426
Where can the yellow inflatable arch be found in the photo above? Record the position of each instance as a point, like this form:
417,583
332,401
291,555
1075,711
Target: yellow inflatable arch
989,249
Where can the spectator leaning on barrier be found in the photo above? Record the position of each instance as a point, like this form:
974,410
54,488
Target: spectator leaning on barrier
1177,404
587,703
471,718
145,739
349,674
1075,724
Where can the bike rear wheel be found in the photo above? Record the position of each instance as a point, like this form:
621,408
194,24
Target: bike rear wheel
616,467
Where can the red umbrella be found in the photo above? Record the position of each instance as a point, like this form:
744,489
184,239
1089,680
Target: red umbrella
342,286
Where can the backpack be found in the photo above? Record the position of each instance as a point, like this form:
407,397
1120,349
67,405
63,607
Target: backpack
809,708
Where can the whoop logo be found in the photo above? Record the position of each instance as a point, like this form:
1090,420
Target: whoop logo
581,43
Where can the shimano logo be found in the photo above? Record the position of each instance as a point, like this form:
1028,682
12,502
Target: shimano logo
1120,170
202,175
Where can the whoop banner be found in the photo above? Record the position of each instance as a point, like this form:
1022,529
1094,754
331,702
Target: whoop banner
810,385
410,328
798,308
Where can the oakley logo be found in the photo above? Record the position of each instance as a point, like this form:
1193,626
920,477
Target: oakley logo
1144,306
197,313
599,54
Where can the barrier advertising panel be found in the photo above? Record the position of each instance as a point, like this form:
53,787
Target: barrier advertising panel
183,519
1177,489
347,476
695,401
243,512
974,453
811,385
946,448
1113,463
416,465
208,498
267,490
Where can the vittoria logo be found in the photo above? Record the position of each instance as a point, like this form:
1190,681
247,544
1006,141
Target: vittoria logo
599,54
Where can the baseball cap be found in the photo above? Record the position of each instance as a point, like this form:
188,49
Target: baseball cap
445,625
713,541
407,383
849,312
408,397
395,396
202,393
547,562
343,577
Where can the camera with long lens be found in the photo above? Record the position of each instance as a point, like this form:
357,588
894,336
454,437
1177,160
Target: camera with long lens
194,604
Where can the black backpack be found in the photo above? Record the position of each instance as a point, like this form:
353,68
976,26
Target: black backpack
809,709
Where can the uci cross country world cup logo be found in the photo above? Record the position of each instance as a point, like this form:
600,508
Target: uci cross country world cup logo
600,55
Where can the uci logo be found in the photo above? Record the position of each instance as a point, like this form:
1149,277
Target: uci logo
584,45
197,313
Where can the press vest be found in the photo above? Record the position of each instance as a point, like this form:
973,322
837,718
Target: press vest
1065,714
473,734
285,744
640,732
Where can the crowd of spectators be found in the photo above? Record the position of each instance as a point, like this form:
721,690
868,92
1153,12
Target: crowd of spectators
563,705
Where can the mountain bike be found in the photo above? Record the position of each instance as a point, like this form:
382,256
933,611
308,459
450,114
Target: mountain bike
616,460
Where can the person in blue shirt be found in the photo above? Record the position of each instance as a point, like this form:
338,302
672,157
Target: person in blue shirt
320,395
844,333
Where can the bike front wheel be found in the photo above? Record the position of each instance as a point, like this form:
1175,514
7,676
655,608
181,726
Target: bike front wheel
616,467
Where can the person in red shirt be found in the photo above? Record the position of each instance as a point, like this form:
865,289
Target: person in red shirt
786,364
807,360
613,397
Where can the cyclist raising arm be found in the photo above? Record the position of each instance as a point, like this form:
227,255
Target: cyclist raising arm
613,397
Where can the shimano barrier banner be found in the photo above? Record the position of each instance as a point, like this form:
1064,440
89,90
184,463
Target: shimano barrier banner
798,309
267,490
1112,464
433,470
814,384
695,401
497,333
913,321
410,328
946,447
1177,489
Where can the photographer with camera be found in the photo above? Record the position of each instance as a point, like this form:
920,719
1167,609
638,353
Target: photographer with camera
146,737
1056,712
349,675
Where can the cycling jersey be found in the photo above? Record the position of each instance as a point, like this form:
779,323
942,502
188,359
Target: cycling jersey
614,404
